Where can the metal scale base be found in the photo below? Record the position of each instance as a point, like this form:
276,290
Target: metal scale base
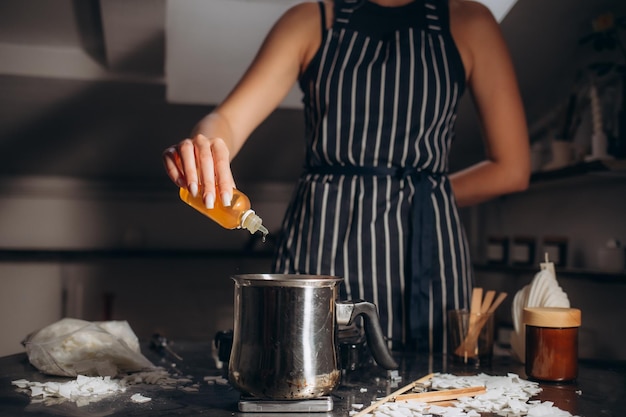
313,405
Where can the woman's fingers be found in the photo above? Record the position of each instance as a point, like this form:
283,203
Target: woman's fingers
201,164
173,168
187,154
206,168
224,176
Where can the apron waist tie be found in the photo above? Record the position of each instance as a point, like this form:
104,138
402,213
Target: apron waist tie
422,239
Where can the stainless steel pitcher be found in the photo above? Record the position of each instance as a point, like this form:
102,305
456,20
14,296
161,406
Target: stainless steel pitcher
285,335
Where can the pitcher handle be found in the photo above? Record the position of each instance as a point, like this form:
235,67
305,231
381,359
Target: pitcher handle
347,311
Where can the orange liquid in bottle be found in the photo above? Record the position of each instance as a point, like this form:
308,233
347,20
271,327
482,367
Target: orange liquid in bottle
237,215
227,217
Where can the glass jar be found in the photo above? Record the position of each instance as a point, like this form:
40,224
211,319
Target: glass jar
552,343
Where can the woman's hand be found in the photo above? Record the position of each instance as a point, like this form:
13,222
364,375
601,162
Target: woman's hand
201,164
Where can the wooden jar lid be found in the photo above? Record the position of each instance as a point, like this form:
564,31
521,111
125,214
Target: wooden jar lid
552,317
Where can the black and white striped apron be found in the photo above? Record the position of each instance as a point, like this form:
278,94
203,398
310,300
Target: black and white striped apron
374,204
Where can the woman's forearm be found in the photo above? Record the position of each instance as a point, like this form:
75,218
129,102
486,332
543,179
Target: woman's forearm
486,180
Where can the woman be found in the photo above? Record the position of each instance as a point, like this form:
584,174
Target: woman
376,205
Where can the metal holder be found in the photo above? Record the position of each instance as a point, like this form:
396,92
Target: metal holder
258,405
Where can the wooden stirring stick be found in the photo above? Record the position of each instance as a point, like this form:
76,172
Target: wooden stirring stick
491,294
393,395
497,303
443,395
475,306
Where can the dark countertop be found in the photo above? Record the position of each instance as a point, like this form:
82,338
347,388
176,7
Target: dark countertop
600,389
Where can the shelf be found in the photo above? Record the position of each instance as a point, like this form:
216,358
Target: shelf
596,276
612,167
21,255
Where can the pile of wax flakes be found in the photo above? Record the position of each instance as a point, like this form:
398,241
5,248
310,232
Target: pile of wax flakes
85,390
507,396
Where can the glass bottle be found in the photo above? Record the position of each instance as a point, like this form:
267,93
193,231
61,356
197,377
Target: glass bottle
238,215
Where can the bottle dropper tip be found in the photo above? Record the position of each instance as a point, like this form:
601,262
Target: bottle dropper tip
254,224
264,231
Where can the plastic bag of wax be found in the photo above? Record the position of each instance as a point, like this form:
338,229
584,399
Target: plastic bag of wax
72,347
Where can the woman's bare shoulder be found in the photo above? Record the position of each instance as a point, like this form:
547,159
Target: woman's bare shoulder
473,24
303,10
469,13
299,22
309,9
476,33
309,6
470,9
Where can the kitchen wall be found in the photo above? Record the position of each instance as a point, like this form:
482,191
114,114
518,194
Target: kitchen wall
586,210
31,297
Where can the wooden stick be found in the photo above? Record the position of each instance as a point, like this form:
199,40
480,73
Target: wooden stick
497,303
443,395
443,403
475,306
489,296
477,295
393,395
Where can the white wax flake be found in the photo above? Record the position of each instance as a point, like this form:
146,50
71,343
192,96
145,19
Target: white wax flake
219,380
138,398
215,379
507,396
546,409
418,409
394,376
83,390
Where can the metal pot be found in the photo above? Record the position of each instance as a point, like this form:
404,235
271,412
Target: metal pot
285,335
